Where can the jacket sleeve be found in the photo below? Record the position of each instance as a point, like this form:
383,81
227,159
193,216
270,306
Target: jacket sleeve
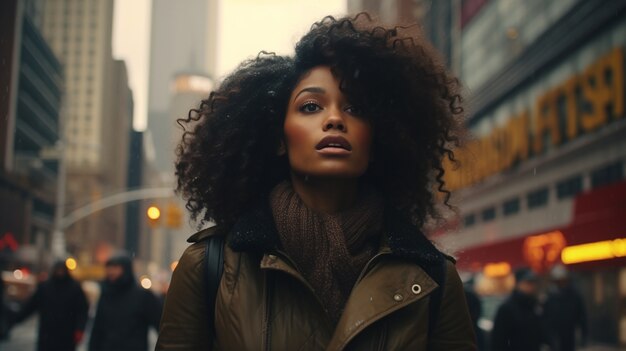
502,329
95,339
32,305
454,329
82,308
184,323
152,309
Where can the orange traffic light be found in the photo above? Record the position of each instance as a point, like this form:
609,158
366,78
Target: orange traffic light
173,216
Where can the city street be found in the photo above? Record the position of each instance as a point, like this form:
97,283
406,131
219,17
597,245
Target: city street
23,337
308,170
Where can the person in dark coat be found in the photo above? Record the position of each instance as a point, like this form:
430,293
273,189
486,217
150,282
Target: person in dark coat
475,309
3,322
62,307
518,325
564,312
125,311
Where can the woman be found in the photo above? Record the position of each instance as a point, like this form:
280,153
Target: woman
320,171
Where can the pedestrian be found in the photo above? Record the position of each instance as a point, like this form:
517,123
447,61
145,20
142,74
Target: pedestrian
4,327
564,311
62,307
518,325
125,311
320,171
475,310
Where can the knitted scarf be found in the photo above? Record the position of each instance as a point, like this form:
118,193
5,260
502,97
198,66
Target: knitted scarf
330,250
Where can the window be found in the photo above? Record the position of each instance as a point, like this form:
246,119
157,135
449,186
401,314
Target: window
511,206
537,198
569,187
469,220
489,214
608,174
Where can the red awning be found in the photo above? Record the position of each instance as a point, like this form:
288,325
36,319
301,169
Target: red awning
598,215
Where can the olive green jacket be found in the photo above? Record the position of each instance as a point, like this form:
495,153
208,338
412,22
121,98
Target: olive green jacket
264,303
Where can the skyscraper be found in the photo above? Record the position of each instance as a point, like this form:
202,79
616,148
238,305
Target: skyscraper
80,34
183,38
31,82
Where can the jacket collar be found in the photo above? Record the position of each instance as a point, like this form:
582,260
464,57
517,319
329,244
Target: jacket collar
255,231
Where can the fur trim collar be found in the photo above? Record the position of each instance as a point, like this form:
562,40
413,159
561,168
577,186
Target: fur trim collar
255,231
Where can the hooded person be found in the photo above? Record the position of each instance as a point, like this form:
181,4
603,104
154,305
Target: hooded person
125,311
518,325
564,311
62,307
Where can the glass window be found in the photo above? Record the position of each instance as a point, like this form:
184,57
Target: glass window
607,174
569,187
511,206
537,198
469,220
489,214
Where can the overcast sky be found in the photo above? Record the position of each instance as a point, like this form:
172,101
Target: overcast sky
245,28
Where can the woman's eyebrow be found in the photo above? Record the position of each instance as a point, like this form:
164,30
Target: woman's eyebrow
316,90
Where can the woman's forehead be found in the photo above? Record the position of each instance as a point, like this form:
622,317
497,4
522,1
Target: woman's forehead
318,79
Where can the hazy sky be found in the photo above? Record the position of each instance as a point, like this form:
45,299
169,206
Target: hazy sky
131,43
249,26
245,28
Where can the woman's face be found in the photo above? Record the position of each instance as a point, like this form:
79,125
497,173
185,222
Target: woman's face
324,134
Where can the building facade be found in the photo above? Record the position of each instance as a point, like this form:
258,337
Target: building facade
97,109
542,181
31,115
182,38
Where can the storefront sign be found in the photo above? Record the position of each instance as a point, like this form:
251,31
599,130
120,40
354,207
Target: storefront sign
497,270
601,250
579,105
542,251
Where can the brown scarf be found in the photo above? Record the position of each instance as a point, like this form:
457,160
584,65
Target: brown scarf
329,250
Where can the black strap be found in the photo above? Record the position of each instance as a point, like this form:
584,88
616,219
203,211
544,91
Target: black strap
214,267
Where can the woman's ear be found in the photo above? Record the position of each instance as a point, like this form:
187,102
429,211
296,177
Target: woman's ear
282,149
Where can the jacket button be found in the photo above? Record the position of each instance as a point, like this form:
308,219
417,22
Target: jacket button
398,297
416,289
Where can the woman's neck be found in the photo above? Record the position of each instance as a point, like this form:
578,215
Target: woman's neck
326,195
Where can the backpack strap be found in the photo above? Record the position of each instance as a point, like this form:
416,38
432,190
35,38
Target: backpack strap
214,267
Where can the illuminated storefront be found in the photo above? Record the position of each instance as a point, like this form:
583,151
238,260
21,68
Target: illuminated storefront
542,182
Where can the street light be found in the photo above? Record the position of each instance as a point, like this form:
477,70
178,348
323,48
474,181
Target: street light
154,214
70,263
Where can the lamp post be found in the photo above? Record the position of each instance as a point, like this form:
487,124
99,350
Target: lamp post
58,237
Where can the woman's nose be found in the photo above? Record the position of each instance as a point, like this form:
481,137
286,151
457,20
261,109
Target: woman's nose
334,121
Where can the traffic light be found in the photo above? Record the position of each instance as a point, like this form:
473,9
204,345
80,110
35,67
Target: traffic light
173,216
154,214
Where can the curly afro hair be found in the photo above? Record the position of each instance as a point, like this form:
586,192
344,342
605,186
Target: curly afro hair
228,161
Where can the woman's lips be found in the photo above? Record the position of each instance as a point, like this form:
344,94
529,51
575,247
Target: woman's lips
334,145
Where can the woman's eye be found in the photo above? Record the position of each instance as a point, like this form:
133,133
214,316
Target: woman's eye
354,110
310,107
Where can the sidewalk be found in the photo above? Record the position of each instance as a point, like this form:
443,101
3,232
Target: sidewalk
602,348
23,337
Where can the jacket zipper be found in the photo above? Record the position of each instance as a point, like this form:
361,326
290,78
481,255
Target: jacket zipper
268,309
269,285
301,279
366,268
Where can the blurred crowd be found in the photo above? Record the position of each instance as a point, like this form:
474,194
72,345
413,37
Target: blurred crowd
539,314
120,318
